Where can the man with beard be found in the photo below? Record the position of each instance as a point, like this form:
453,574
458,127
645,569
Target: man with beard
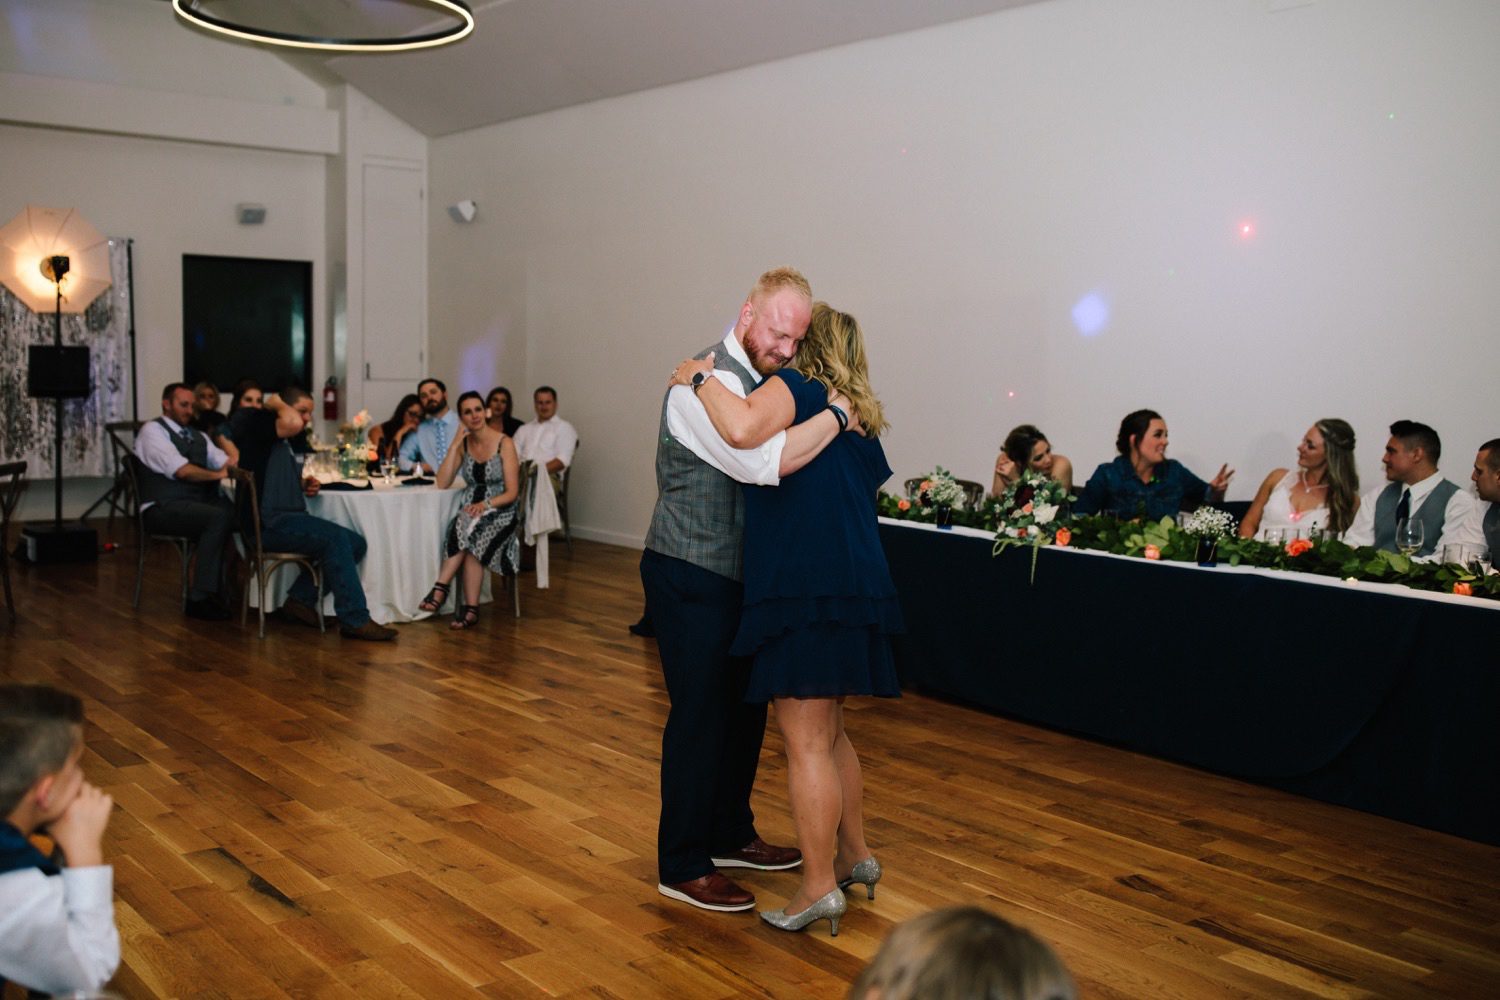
691,574
424,449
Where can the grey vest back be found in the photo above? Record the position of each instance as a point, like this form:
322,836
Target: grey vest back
1492,533
1432,514
699,515
157,488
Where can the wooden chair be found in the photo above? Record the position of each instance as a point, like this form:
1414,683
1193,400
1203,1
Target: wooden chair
973,492
259,563
562,501
12,485
135,470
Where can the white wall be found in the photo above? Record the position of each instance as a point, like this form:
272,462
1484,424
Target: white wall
960,189
193,110
172,198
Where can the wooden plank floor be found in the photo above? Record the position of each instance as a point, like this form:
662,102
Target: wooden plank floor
461,814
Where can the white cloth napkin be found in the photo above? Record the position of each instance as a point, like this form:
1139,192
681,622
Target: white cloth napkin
542,518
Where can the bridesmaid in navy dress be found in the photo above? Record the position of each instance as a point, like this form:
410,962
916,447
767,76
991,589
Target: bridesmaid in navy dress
820,605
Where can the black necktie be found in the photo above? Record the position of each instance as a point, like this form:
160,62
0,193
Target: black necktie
1403,509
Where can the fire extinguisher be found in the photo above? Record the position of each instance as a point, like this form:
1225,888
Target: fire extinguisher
331,399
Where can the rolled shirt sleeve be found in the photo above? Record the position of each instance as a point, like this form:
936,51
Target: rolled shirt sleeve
688,422
57,933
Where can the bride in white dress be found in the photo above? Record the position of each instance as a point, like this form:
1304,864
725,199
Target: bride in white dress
1322,491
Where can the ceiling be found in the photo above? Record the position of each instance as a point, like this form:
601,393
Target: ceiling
530,56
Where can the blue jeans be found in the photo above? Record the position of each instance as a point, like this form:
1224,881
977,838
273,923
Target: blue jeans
337,551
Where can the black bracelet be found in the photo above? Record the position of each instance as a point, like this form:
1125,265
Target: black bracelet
840,416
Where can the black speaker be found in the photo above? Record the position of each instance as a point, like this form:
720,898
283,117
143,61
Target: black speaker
57,372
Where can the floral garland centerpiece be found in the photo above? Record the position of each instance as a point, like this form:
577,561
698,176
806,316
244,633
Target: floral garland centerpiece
1208,525
1032,511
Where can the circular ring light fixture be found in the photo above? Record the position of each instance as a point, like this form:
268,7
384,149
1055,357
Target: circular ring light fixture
455,11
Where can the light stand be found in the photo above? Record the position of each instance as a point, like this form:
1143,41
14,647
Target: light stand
59,543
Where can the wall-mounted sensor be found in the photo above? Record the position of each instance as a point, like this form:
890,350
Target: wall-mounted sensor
464,211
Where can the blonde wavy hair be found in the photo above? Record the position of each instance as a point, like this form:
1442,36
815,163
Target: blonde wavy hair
833,355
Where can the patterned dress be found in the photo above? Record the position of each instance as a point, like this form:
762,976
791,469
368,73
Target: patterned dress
491,536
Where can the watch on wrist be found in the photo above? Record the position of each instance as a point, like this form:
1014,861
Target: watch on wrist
698,379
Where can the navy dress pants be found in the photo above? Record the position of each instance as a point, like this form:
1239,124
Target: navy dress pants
337,551
711,746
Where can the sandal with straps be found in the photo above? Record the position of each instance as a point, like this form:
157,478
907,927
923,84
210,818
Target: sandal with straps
467,617
433,602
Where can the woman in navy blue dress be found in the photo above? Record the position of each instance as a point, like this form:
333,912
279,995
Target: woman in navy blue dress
820,605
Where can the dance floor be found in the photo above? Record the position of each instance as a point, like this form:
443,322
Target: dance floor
474,814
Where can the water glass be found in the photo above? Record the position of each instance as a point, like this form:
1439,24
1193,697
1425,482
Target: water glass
1409,533
1470,557
388,470
1273,536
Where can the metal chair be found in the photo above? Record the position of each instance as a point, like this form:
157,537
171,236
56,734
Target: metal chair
134,470
260,563
513,580
973,492
12,485
119,498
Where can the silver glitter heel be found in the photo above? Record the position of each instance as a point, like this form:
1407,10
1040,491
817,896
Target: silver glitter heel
867,873
831,907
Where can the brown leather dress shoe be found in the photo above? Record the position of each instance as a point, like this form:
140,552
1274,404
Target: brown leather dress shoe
371,631
299,612
759,854
711,892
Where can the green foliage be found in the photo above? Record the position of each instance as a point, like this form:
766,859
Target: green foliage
1322,558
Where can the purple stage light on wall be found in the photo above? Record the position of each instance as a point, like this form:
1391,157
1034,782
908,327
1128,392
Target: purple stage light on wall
1091,314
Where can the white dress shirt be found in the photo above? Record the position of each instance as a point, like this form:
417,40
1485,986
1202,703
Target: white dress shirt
154,447
57,932
688,422
541,441
1460,523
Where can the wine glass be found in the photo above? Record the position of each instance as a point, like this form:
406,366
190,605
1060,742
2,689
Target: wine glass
1409,536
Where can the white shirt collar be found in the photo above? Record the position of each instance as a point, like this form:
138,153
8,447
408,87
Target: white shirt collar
737,352
176,427
1420,489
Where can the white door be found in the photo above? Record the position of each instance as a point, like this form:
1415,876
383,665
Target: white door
394,275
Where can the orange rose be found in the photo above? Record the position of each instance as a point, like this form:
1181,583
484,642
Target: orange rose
1297,546
926,485
1064,536
1152,552
903,505
1026,509
1463,589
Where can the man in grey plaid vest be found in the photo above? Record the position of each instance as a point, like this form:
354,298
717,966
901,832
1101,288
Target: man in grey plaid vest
691,574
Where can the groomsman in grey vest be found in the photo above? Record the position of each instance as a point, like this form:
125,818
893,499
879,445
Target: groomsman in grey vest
1487,484
1417,491
691,574
179,485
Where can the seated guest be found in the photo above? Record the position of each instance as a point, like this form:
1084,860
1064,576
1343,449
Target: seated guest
180,494
1026,447
1417,491
963,953
57,917
208,419
386,438
1143,481
1322,492
1487,484
423,450
500,407
549,440
246,393
482,535
286,526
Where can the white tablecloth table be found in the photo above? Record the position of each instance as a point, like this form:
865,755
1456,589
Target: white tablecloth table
403,527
